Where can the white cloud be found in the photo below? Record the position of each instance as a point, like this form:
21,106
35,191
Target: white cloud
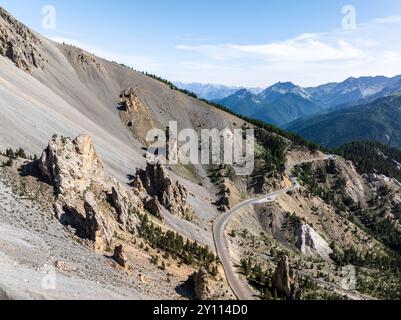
309,59
306,47
302,49
390,19
373,48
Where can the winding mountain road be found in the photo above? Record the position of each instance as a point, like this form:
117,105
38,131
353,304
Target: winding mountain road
240,289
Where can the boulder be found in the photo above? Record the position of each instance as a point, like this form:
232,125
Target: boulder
201,284
120,257
285,280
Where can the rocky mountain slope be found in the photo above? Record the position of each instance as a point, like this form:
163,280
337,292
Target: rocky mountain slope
75,92
329,231
91,217
355,91
373,157
278,104
283,103
377,121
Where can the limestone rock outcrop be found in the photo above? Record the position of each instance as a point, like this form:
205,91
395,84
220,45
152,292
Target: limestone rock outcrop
19,43
126,205
87,60
71,164
310,243
153,206
355,187
98,228
379,181
154,182
136,115
95,206
202,287
285,280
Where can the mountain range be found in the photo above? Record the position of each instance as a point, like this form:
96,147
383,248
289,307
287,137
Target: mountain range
212,92
278,104
379,120
354,91
285,102
85,212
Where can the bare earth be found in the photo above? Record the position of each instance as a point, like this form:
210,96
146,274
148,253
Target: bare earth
31,242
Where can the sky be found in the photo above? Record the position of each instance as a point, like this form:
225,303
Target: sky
253,43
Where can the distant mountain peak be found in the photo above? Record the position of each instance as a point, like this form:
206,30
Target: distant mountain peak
243,94
285,85
213,92
283,88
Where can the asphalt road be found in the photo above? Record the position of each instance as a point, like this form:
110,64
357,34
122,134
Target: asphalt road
241,289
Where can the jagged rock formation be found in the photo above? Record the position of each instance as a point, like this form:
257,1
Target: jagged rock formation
120,257
86,60
71,164
202,287
379,181
19,43
285,280
310,243
136,115
355,187
95,206
156,188
126,205
80,100
292,231
100,229
153,205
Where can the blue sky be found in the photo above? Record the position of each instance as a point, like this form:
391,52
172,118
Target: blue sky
247,43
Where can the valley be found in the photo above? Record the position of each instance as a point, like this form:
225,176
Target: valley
284,103
88,210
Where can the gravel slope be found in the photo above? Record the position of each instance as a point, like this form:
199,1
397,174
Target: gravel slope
71,97
31,242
